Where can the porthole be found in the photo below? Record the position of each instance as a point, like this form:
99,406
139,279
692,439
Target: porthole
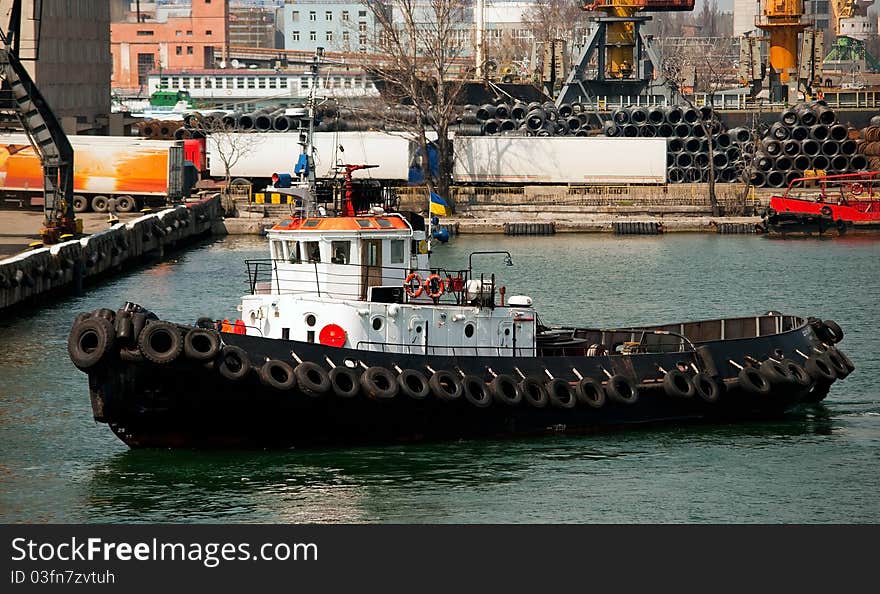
507,332
310,320
418,329
378,323
469,330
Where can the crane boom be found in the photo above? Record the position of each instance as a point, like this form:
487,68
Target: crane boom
45,132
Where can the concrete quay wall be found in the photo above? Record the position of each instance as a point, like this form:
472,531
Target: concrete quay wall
68,266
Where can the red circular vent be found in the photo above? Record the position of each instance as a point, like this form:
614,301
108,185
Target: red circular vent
332,335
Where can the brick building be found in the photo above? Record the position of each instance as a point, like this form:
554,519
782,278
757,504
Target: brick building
167,37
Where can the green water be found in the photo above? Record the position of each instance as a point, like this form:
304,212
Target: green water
58,465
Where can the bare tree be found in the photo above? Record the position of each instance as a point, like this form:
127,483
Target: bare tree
229,143
422,42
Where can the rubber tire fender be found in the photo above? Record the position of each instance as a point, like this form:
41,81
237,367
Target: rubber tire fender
836,363
833,331
775,372
201,344
445,386
847,362
106,313
677,384
622,389
591,393
752,381
89,342
820,369
312,378
344,381
234,363
379,383
798,374
533,392
413,384
131,354
503,388
278,375
476,391
161,342
707,387
561,393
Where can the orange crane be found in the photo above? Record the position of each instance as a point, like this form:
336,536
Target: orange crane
623,56
783,21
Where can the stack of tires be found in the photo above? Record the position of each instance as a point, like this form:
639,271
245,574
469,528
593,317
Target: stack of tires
526,119
807,137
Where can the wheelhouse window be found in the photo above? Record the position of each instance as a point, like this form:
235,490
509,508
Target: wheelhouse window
397,251
293,252
277,250
383,223
372,256
312,250
340,252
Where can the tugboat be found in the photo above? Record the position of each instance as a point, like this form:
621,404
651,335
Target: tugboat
350,335
826,204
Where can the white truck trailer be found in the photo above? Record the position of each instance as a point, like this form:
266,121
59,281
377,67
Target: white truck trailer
263,153
516,160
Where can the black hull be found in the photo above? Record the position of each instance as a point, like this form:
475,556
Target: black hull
189,404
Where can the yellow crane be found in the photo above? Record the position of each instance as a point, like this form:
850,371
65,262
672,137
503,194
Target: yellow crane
783,21
623,56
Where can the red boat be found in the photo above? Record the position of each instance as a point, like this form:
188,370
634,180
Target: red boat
827,204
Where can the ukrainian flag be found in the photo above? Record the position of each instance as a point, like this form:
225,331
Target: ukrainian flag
439,206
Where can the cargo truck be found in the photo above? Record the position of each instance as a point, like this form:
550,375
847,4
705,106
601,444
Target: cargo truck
137,172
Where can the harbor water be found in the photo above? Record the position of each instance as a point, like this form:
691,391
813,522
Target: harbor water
58,465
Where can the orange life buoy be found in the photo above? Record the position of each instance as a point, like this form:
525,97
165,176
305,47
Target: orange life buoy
856,189
413,284
434,286
332,335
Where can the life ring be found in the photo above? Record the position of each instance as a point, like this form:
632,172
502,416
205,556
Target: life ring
434,286
504,390
751,380
414,384
312,378
332,335
475,391
856,189
161,342
707,387
278,375
825,210
201,344
344,382
561,394
89,342
234,363
591,393
678,385
445,386
379,383
413,284
622,389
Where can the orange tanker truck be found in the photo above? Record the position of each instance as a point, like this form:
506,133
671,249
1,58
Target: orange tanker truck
137,172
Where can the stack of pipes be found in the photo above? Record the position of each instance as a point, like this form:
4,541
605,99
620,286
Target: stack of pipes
689,132
806,137
868,143
158,129
525,119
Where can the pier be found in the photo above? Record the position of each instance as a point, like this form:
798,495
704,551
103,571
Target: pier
70,265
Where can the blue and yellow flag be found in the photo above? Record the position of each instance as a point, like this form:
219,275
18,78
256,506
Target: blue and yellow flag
439,206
